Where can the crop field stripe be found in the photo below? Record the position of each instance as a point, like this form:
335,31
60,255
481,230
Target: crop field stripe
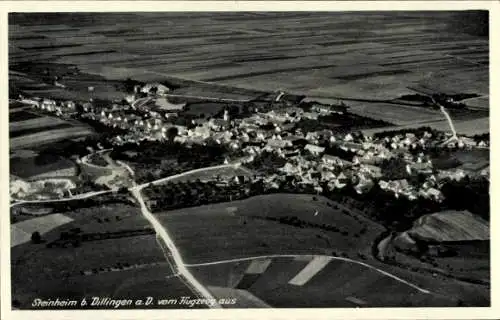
258,266
331,257
244,298
310,270
372,74
20,116
259,73
34,130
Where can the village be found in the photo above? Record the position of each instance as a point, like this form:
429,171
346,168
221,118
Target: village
314,158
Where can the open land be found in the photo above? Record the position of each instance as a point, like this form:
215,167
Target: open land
252,234
96,268
305,279
325,55
27,167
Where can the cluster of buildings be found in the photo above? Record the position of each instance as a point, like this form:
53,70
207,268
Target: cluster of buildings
41,189
59,108
309,156
311,165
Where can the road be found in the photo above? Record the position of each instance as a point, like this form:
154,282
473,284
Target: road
162,180
143,101
179,264
414,286
76,197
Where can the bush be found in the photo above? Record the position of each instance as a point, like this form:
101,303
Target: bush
36,237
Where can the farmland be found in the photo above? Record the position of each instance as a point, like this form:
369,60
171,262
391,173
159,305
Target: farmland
48,136
95,267
21,116
37,123
451,226
253,232
37,164
149,280
465,127
21,232
329,55
29,129
283,282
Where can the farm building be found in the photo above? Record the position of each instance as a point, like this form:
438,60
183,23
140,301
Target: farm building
157,88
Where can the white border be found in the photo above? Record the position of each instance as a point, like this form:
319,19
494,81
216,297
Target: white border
123,6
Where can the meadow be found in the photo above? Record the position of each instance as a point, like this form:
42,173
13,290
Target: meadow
335,284
251,227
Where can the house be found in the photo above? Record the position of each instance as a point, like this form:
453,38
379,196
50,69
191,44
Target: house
351,146
434,194
130,98
218,124
48,104
485,172
364,186
290,169
456,175
180,139
373,171
311,136
334,160
310,115
70,105
155,87
278,143
482,144
327,175
348,137
314,149
419,167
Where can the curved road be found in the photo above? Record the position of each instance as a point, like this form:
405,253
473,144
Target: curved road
299,255
76,197
159,181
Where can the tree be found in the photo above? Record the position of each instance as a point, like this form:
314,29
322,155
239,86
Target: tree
36,237
172,132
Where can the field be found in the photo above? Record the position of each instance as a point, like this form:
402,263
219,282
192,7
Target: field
28,129
245,228
469,262
463,127
148,280
395,114
21,232
461,239
21,116
367,55
451,226
312,281
34,131
37,123
48,136
36,164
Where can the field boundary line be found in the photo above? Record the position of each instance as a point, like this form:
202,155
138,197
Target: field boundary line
414,286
